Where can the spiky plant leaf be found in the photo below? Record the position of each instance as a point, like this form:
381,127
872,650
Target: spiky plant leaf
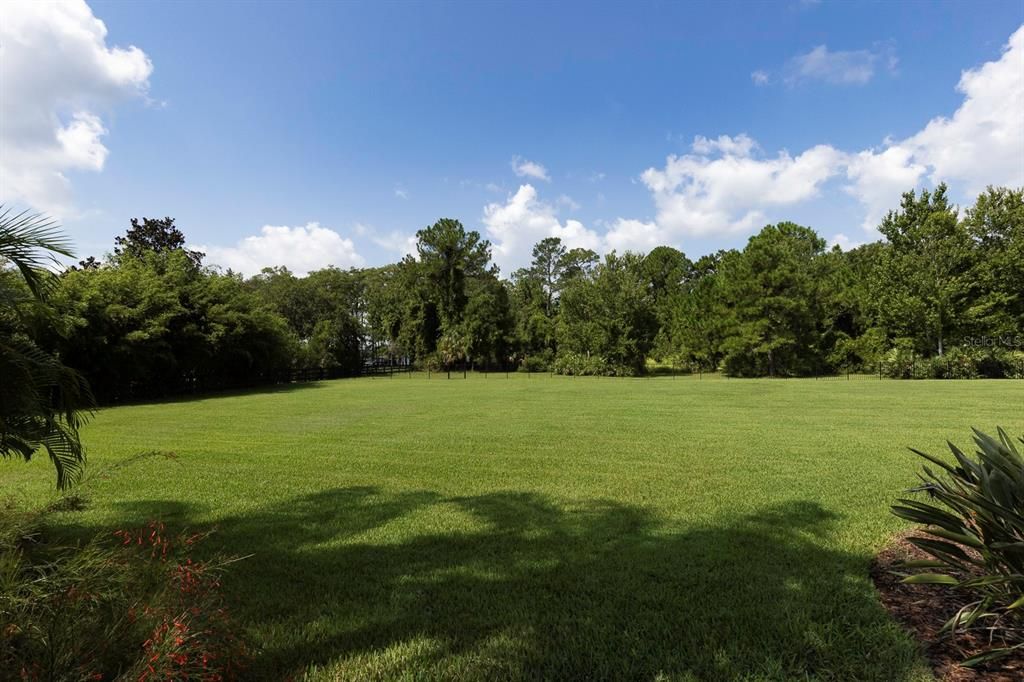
974,514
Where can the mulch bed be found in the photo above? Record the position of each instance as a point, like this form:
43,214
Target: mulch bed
923,609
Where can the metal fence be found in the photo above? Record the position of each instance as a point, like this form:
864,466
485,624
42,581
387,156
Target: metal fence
395,367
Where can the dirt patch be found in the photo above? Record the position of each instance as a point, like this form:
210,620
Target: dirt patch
923,609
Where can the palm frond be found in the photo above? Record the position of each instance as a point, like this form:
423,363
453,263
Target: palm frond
29,241
43,403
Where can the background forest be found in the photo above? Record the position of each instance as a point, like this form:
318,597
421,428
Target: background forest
942,295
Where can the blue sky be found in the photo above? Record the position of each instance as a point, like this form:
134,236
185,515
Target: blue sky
308,134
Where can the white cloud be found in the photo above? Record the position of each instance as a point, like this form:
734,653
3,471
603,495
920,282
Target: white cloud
981,144
56,72
396,242
843,242
80,141
725,186
722,187
568,202
879,178
636,235
530,169
838,67
741,145
301,249
401,193
516,225
523,220
842,67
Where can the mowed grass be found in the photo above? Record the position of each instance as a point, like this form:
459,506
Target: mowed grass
543,527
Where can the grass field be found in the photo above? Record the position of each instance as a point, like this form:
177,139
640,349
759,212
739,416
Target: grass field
543,527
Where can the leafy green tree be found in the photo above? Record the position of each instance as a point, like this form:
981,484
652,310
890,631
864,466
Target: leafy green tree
924,283
153,235
534,328
324,311
609,314
996,224
43,403
336,344
240,341
554,266
413,312
448,256
119,325
576,263
389,304
851,336
282,291
772,288
151,323
488,321
547,266
665,271
536,291
702,316
423,301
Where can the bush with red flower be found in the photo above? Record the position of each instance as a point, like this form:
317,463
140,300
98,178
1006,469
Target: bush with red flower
137,605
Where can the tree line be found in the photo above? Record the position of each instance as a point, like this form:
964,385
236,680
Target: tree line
944,288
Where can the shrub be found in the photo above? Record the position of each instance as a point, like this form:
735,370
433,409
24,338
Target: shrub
670,364
579,364
902,362
1014,365
430,363
866,350
535,363
133,606
957,363
744,360
999,364
739,364
974,520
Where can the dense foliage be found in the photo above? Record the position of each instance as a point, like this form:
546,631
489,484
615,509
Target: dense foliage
156,324
131,605
42,401
974,520
940,296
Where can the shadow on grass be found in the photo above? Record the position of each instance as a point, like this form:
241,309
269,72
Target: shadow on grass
268,389
513,585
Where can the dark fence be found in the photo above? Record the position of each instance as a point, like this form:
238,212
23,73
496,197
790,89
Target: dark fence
950,368
930,368
384,367
179,386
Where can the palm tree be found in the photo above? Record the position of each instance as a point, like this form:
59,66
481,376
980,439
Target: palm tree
42,403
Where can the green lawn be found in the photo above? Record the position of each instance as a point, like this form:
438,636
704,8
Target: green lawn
539,527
